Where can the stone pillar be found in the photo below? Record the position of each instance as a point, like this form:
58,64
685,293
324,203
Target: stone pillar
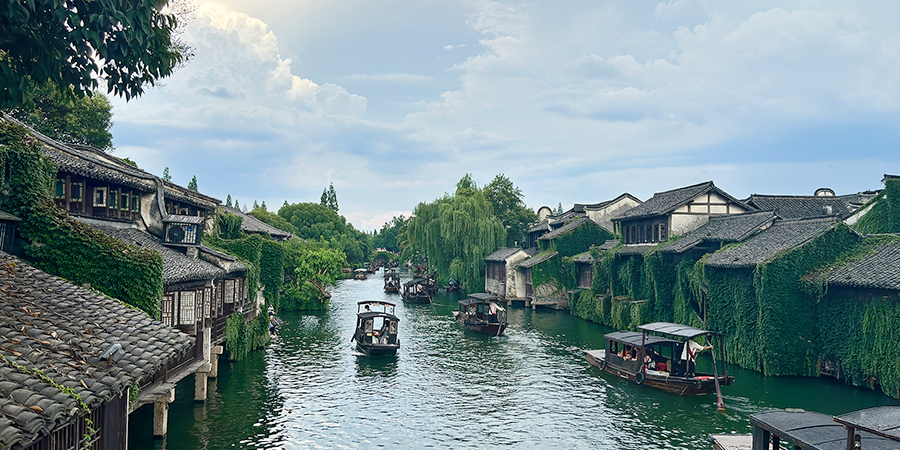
203,372
161,413
215,351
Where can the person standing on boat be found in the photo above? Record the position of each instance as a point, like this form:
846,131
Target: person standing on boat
689,355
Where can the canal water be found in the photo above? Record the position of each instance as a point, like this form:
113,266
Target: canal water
447,388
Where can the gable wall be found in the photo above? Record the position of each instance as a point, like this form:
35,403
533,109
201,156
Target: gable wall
603,216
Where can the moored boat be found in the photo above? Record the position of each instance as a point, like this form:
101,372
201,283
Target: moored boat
360,274
376,328
414,291
481,313
664,362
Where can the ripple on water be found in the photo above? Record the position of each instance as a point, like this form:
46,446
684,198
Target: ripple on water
447,388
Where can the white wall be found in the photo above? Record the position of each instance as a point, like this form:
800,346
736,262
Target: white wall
602,216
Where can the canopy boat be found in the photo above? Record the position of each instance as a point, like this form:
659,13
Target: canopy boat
665,362
360,274
481,312
414,291
391,282
376,328
452,286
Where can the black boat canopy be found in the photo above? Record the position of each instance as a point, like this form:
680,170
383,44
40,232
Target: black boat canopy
636,339
485,297
676,330
811,430
882,421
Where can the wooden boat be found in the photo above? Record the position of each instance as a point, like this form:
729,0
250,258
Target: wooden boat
376,328
664,362
452,286
360,274
391,282
481,313
414,291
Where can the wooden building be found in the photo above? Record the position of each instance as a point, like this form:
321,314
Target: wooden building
55,334
673,213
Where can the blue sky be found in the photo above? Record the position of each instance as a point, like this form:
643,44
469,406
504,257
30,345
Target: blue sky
578,101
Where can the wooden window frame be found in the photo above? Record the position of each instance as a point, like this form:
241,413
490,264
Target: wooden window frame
103,197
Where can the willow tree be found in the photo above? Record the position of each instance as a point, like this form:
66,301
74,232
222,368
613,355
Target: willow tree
456,233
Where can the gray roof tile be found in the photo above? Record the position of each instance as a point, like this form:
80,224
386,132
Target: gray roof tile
564,229
665,202
251,224
808,206
879,271
721,229
177,267
609,244
535,260
502,253
61,329
783,235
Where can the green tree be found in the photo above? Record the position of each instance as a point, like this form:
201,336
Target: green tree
455,233
315,221
255,205
509,206
128,44
263,206
273,219
236,206
329,198
129,162
193,184
82,120
558,210
166,176
320,268
229,225
228,201
389,236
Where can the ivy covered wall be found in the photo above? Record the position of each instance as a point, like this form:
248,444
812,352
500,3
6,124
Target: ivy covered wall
578,240
884,217
62,246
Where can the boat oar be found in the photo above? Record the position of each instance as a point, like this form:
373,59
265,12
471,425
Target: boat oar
720,404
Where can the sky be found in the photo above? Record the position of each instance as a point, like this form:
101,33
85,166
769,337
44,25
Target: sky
576,102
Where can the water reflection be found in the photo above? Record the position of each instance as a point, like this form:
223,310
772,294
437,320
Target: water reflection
452,388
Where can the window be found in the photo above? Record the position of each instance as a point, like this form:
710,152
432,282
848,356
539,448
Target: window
60,188
114,198
77,192
100,197
648,233
662,232
135,203
125,201
186,308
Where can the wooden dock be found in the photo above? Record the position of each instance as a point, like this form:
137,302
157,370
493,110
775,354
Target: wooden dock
731,441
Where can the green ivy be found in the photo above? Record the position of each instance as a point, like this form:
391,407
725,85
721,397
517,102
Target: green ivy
578,240
58,244
242,337
884,216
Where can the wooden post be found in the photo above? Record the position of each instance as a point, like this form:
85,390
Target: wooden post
720,404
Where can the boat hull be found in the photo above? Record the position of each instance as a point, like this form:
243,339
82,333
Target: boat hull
378,349
479,327
392,290
417,299
700,384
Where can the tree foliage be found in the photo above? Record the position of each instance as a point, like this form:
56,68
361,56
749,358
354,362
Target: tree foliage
456,233
75,43
165,175
273,219
329,198
83,120
317,222
193,184
509,206
390,235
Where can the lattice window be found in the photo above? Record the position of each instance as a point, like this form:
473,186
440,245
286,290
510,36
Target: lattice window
77,192
229,290
60,188
187,308
168,307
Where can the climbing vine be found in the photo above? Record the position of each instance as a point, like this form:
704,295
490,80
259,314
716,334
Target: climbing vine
242,337
58,244
884,215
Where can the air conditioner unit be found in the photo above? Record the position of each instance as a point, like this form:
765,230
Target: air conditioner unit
183,230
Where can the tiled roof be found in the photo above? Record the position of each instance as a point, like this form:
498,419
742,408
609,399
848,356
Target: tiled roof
502,253
636,249
251,224
609,244
564,229
9,217
185,195
783,235
535,260
177,267
543,226
584,258
665,202
728,228
879,271
50,325
601,205
808,206
235,267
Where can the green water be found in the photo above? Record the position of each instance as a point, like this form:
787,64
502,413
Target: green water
452,389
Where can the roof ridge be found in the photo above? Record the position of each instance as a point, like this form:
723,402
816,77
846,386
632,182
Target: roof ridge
709,183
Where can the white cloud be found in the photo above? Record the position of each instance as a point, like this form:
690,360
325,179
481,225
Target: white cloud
391,77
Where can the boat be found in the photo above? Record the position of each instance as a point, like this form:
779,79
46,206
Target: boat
663,360
376,328
481,313
391,282
452,286
414,291
871,429
360,274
